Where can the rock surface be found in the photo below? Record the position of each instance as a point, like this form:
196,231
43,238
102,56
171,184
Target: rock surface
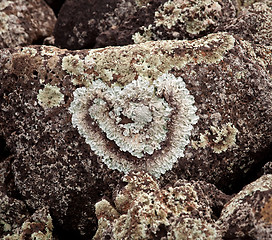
37,226
144,211
111,23
51,107
248,215
23,22
122,22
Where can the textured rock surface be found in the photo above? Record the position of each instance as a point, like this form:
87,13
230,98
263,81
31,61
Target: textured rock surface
13,212
134,21
101,23
144,211
248,215
253,23
109,23
228,87
22,22
37,227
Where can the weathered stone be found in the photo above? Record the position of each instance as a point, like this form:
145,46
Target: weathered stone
37,227
248,215
13,212
23,22
144,211
101,23
211,101
111,23
253,23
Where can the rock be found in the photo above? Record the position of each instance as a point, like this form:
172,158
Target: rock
13,212
135,21
111,23
38,226
101,23
248,214
253,23
144,211
188,109
24,22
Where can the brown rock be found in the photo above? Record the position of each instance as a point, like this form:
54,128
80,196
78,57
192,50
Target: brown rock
24,22
76,121
253,23
248,214
144,211
37,226
85,24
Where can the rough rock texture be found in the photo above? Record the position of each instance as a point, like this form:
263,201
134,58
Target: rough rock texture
248,215
144,211
254,23
37,227
226,118
13,212
110,23
23,22
101,23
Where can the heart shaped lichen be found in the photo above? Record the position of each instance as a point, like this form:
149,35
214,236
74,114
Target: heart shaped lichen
142,125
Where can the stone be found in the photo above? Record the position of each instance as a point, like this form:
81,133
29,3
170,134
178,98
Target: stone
37,226
145,211
66,116
111,23
13,212
25,22
101,23
253,23
248,214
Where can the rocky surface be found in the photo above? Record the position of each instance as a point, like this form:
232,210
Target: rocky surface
24,22
37,226
248,215
144,211
71,114
253,23
94,140
134,21
110,23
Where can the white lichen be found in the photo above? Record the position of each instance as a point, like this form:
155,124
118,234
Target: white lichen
73,64
50,96
197,15
138,118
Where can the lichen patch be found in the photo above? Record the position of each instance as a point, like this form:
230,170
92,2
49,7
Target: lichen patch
218,139
147,124
50,96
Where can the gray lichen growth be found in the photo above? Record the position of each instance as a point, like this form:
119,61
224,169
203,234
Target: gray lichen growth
138,117
50,96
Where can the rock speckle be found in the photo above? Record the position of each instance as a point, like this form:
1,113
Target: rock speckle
25,22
